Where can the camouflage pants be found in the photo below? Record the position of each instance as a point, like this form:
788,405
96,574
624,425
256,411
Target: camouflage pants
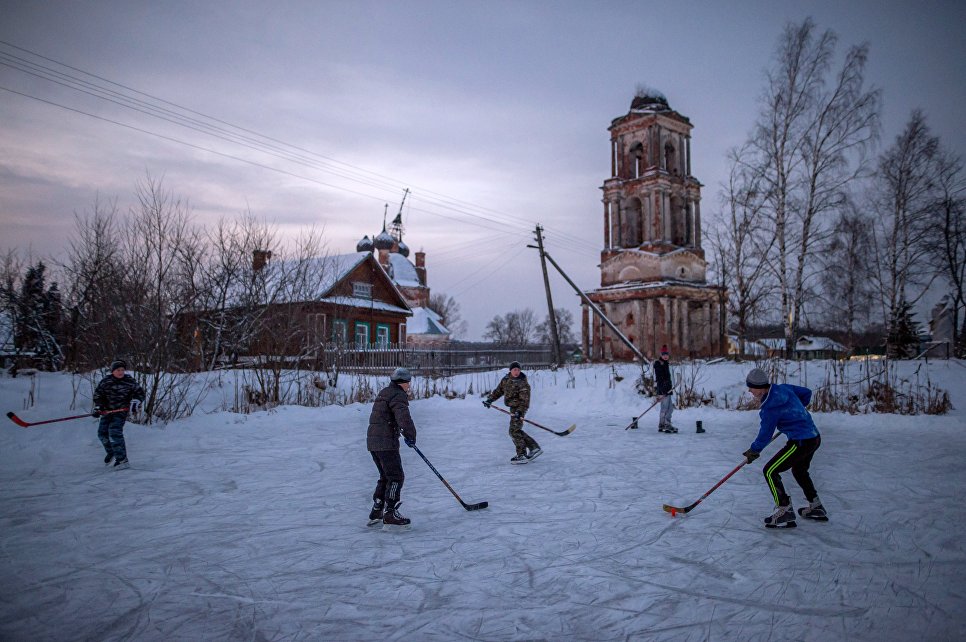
111,433
521,440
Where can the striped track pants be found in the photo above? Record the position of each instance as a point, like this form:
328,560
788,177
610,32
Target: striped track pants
796,455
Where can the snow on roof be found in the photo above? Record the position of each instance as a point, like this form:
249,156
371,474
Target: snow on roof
368,304
403,271
647,285
425,321
805,343
318,274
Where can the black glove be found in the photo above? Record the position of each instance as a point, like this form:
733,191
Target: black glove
487,403
410,442
96,412
516,414
751,455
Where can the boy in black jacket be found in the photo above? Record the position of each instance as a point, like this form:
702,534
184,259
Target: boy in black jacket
662,379
389,417
116,395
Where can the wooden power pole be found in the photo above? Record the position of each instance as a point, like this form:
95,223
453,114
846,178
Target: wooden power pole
551,316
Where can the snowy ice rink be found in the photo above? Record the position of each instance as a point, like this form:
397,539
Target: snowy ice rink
252,527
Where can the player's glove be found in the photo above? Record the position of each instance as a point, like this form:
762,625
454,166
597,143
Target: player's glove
751,455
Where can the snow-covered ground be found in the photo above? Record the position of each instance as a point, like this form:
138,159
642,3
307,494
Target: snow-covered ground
252,527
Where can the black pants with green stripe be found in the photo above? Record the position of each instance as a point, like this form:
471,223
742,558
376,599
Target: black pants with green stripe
797,456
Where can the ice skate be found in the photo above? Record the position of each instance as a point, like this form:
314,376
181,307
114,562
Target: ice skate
392,520
783,517
814,511
375,515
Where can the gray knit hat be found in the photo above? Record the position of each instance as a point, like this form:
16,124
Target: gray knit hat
757,379
118,363
400,375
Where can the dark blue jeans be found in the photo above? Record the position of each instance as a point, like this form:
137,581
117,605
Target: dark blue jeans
111,433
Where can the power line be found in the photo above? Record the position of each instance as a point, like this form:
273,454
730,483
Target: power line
279,150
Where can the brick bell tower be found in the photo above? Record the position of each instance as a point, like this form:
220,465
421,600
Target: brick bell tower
653,283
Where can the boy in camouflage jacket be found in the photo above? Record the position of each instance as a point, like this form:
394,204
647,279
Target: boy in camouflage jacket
515,391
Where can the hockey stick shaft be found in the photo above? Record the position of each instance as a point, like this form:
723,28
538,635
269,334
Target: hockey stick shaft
656,401
686,509
450,488
27,424
562,433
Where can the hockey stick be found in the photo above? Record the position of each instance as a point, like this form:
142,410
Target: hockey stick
634,422
446,483
674,510
562,433
27,424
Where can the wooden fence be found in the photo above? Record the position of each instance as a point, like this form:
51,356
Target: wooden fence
432,361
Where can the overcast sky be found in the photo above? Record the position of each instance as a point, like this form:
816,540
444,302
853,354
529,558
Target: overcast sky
494,114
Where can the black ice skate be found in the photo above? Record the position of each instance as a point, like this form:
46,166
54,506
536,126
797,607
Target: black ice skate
783,517
520,459
392,520
534,453
375,515
814,511
108,458
121,464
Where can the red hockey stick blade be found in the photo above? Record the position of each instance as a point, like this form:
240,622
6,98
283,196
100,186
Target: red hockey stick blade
17,420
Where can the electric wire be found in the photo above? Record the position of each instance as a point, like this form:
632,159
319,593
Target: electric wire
354,173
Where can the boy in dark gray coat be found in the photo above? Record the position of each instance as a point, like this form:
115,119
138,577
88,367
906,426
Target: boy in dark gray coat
389,417
114,396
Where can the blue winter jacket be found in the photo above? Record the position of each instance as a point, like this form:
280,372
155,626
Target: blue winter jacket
784,408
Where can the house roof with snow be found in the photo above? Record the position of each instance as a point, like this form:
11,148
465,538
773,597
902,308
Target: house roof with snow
426,321
808,344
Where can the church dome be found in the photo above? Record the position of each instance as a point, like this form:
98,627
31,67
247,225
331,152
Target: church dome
384,241
403,249
365,245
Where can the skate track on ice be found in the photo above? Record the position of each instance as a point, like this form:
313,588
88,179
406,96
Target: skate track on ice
253,528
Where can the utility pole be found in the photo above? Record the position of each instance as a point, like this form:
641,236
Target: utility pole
551,316
599,313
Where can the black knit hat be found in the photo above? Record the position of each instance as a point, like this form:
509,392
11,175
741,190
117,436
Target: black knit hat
514,364
118,363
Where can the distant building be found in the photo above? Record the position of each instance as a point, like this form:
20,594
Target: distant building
819,348
752,347
653,283
425,327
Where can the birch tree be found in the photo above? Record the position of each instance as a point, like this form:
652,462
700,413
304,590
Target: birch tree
903,195
740,248
811,139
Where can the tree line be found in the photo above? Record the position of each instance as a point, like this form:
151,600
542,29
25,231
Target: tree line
821,227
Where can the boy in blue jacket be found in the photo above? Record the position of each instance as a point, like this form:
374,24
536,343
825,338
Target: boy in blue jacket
783,407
